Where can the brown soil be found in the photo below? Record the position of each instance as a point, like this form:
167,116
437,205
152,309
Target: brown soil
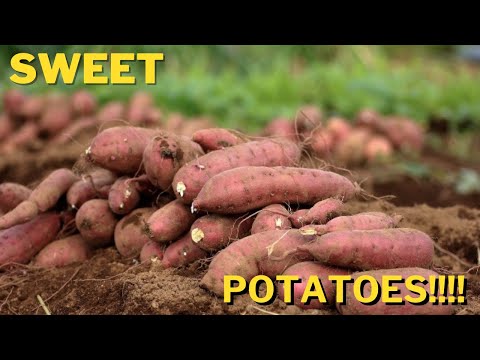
110,284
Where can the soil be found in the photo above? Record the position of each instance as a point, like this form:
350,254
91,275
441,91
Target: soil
110,284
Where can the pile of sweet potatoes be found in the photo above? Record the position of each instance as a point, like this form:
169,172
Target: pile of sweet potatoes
177,196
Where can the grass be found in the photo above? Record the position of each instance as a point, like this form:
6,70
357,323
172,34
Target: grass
245,86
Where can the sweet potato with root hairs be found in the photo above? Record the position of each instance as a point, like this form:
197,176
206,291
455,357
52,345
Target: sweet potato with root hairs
378,148
169,222
12,194
362,221
13,100
96,222
269,253
152,250
123,196
281,128
216,139
33,107
242,189
6,126
296,218
111,111
308,118
339,128
271,217
83,102
97,184
322,211
55,118
373,249
22,137
44,197
78,127
67,251
130,235
182,252
214,232
351,306
191,178
120,149
304,270
165,154
22,242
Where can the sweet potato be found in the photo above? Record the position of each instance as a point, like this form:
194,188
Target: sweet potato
192,125
96,222
322,212
182,252
191,178
351,151
13,100
44,197
12,194
378,148
304,270
373,249
269,253
97,184
22,242
130,235
174,123
271,217
281,128
55,118
33,107
6,126
368,118
111,111
153,116
296,218
339,128
59,253
352,306
216,139
321,142
246,188
22,137
152,250
123,196
308,118
120,149
169,222
83,102
404,133
214,232
73,130
362,221
165,154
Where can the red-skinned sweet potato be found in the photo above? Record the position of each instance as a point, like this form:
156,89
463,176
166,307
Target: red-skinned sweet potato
12,194
83,102
191,178
296,218
281,128
94,185
182,252
308,117
67,251
322,212
75,129
111,111
130,235
13,100
55,118
96,222
339,128
152,250
123,196
271,217
216,139
242,189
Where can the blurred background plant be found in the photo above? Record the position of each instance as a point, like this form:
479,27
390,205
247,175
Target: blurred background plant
245,86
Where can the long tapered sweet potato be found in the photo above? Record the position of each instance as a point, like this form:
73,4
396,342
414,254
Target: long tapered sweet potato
268,253
362,221
296,218
271,217
59,253
246,188
120,149
214,232
182,252
373,249
96,222
22,242
12,194
351,305
216,139
304,270
130,235
169,222
322,211
44,197
165,154
191,178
